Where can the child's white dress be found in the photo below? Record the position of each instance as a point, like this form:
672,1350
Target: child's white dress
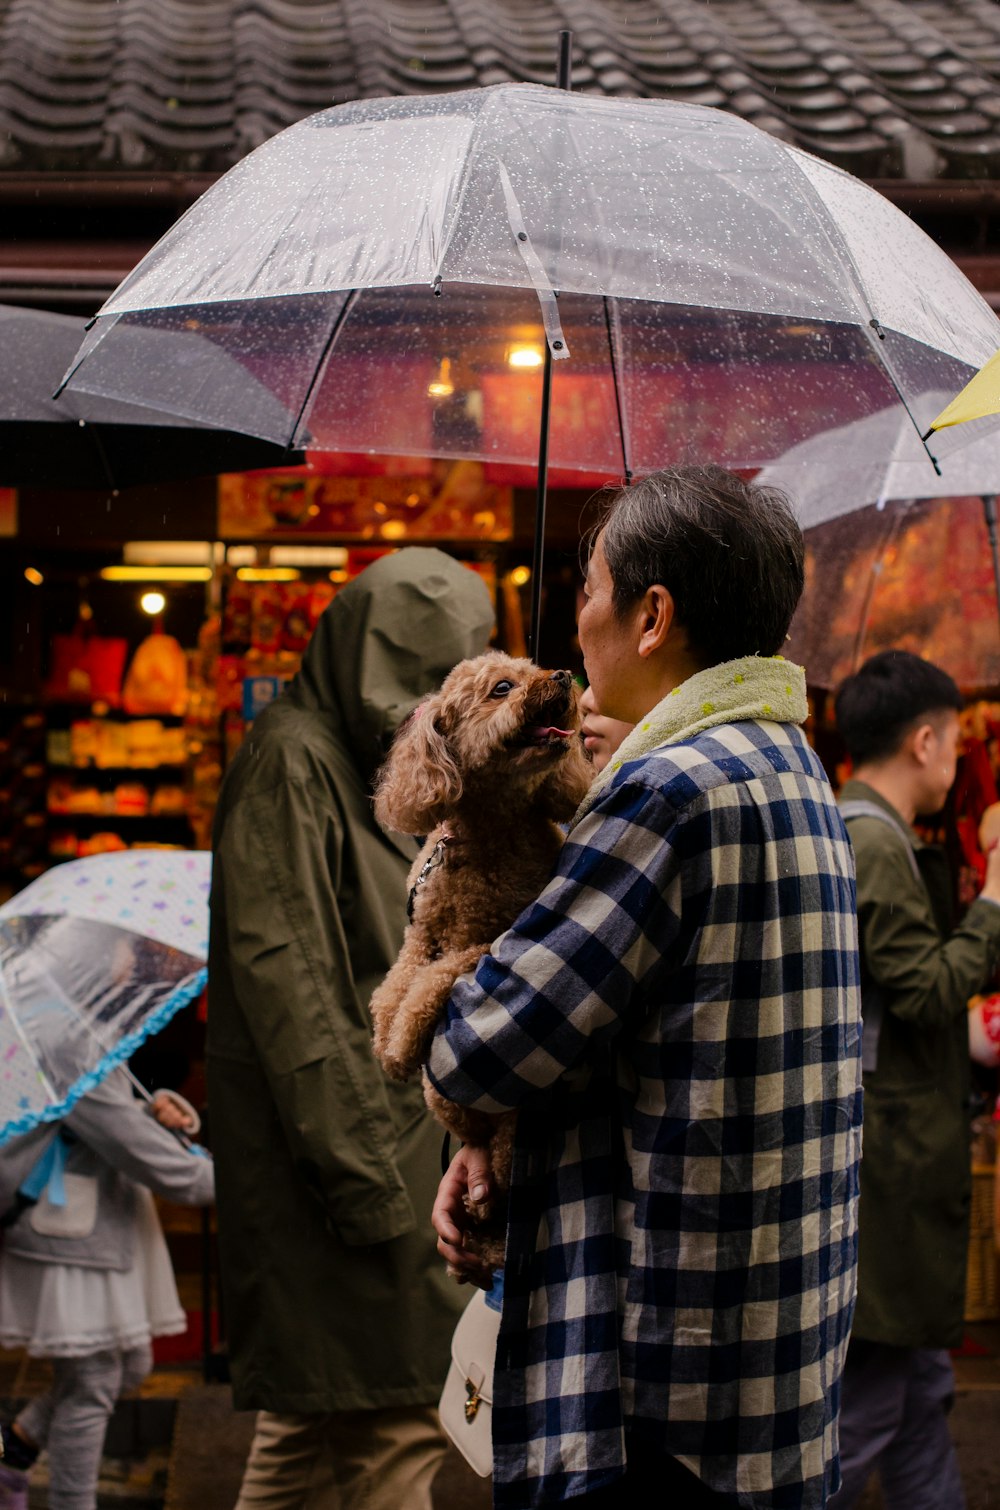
67,1311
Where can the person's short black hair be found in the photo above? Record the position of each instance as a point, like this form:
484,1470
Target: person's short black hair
730,554
891,693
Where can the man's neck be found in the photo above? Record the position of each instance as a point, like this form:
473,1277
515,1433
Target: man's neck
891,784
661,674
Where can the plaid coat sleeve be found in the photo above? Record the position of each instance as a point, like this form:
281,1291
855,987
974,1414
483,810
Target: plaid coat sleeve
574,968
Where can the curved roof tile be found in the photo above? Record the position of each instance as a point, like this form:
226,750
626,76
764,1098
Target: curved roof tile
878,86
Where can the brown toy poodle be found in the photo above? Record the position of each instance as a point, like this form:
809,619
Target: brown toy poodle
487,768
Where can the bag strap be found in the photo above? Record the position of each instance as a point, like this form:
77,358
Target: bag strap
858,808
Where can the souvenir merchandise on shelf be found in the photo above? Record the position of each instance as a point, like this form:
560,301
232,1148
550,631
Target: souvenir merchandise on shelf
117,776
157,677
23,830
86,667
265,628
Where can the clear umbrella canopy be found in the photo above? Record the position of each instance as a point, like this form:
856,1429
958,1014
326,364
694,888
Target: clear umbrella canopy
389,270
874,460
914,575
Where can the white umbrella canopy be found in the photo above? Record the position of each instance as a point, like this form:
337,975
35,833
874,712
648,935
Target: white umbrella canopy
387,266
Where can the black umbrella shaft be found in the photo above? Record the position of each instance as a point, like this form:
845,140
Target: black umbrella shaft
564,80
540,503
564,67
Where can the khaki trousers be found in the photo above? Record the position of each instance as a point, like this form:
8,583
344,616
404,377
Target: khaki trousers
347,1460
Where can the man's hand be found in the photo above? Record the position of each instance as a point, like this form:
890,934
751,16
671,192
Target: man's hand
468,1176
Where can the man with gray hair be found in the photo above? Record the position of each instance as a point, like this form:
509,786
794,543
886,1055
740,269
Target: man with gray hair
676,1020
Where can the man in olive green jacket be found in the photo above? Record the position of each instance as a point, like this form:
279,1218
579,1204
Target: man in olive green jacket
899,719
338,1311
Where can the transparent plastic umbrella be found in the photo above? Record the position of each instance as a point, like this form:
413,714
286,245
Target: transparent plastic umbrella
882,570
914,575
874,460
393,268
95,957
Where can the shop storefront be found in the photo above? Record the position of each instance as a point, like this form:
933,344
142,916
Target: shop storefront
132,667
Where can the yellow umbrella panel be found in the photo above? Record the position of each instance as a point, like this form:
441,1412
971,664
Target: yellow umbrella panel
979,397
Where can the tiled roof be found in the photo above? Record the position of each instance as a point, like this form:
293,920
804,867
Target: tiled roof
887,88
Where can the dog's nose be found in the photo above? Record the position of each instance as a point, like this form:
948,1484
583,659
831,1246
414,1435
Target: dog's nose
563,677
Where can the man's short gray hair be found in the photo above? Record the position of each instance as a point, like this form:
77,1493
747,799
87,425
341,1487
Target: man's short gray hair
730,554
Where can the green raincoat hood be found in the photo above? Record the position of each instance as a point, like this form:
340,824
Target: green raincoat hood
387,640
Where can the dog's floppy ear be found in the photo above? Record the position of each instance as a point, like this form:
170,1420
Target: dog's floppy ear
562,791
420,783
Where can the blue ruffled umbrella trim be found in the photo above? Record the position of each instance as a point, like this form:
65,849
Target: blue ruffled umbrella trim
115,1057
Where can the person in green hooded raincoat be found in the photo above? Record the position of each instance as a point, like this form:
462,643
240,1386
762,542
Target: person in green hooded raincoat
899,719
339,1313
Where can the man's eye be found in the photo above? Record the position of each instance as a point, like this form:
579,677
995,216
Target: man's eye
502,688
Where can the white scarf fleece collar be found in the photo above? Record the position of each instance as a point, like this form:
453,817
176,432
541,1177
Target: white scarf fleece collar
753,687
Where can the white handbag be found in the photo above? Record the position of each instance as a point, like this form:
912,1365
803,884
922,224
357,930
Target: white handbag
466,1406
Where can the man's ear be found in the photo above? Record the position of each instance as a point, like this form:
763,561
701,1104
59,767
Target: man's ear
655,619
921,742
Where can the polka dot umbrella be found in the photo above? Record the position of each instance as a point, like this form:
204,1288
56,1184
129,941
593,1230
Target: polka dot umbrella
95,957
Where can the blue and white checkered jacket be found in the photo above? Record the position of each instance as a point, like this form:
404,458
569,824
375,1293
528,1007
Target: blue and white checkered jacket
678,1020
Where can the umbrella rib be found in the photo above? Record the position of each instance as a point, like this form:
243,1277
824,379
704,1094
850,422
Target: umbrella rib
546,294
615,386
320,368
12,1017
95,436
872,327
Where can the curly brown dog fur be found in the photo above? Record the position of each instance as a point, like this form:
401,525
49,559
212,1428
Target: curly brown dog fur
487,768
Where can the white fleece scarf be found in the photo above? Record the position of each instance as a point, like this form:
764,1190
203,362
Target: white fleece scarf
753,687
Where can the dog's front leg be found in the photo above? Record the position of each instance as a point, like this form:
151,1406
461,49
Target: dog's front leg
387,999
409,1032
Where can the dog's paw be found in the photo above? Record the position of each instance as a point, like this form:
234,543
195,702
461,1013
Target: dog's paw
480,1211
394,1067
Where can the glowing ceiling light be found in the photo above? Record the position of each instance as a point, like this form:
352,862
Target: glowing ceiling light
524,356
152,603
442,387
521,575
156,573
33,575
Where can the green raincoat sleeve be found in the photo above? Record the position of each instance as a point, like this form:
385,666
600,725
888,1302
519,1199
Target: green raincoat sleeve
925,981
281,852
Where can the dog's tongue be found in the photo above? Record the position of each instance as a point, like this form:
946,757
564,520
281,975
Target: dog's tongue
538,731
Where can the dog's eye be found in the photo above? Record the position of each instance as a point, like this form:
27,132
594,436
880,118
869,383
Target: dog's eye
502,688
